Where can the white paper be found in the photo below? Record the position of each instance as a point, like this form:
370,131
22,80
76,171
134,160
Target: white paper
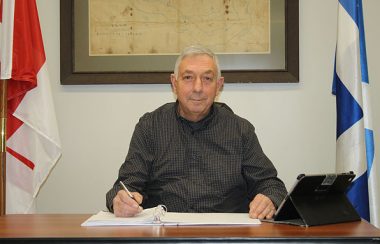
209,219
103,218
171,218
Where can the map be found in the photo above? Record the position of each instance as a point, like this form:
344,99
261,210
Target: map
159,27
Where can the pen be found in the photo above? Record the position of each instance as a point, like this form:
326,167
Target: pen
130,194
126,189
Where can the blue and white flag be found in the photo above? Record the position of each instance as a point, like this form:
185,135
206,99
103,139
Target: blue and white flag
355,149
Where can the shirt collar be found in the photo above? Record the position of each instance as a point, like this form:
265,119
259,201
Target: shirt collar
199,125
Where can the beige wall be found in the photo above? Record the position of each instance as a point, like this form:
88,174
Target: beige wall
295,122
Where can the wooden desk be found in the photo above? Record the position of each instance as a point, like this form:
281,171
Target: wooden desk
63,228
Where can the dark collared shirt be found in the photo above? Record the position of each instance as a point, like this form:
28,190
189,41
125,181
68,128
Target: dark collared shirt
214,165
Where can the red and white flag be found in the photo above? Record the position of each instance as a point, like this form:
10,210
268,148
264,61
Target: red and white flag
33,145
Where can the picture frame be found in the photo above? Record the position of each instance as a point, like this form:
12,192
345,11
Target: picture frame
70,75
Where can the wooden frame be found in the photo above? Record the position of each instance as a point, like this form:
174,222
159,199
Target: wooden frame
290,74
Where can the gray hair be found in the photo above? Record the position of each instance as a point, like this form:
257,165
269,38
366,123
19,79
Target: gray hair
193,51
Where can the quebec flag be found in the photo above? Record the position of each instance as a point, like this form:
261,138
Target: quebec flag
355,149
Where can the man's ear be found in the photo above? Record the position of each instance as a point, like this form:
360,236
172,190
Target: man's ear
220,84
173,81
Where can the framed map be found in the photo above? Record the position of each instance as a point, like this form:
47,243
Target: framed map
128,27
127,41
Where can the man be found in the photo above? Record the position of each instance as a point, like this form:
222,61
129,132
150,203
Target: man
196,155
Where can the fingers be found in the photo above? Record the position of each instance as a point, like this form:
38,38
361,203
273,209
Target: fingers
261,207
125,206
137,197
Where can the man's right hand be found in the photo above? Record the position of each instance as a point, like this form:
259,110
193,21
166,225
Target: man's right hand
125,206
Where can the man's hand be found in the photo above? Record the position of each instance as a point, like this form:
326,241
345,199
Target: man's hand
125,206
261,207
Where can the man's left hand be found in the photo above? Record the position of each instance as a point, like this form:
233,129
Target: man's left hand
261,207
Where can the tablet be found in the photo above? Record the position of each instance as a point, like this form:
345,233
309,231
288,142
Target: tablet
317,200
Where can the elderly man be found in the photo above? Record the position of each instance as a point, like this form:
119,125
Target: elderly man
196,155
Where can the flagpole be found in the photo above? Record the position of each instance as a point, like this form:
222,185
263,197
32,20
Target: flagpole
3,123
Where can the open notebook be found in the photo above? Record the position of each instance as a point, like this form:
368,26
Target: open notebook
159,216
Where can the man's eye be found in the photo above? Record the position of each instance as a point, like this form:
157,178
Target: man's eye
207,78
187,77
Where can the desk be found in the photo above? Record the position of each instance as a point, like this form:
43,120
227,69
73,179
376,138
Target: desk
65,228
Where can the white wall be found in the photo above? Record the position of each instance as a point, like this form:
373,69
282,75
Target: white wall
295,122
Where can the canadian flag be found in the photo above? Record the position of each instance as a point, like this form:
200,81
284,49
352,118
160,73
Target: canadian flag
33,145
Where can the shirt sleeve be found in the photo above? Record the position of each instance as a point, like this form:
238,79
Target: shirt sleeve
258,170
134,171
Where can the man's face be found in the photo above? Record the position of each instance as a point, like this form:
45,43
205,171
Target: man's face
197,86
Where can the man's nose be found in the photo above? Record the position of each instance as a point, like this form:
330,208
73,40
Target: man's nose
198,85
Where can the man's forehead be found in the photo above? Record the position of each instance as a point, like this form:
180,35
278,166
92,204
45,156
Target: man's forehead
189,71
198,62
